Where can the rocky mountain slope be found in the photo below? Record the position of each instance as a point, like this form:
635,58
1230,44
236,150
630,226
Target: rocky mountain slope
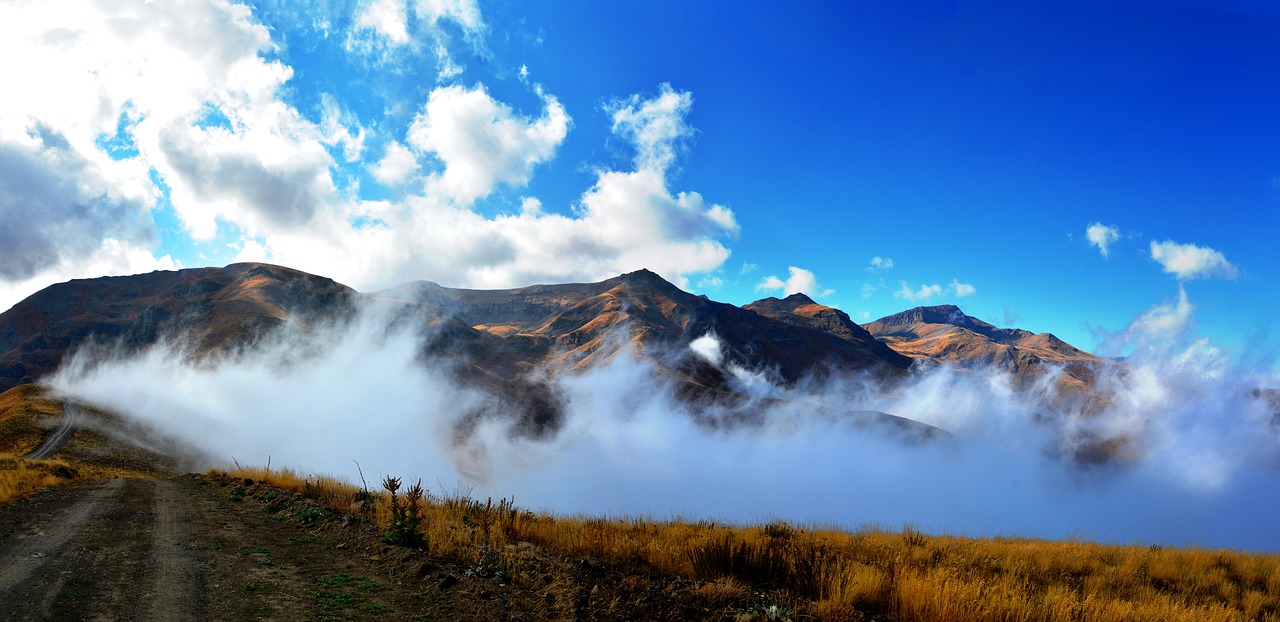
945,334
581,325
215,308
511,342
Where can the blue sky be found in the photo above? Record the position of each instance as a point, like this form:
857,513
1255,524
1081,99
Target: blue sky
876,155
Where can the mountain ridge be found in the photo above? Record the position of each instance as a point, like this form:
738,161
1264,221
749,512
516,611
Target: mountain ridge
944,333
512,343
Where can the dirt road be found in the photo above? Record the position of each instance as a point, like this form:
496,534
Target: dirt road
71,418
194,549
120,550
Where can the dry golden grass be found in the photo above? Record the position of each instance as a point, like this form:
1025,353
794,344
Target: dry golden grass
844,576
19,476
24,413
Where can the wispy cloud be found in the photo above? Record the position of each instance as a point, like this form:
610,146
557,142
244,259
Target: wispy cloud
1188,261
927,292
923,294
878,264
1163,322
1102,236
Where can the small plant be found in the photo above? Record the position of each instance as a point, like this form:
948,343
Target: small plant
236,494
913,537
405,529
779,531
308,514
276,505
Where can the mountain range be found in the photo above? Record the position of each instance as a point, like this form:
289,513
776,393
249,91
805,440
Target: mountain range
509,342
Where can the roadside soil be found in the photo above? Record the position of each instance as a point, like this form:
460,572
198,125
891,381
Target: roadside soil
216,548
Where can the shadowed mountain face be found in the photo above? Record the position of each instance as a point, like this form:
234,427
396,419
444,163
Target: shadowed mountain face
509,343
800,310
506,342
216,309
581,325
945,334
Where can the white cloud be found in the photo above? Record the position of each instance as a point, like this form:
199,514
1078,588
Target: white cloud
387,17
194,96
531,206
627,220
800,281
183,90
878,263
1102,236
710,282
923,294
927,292
1163,322
770,283
384,30
1189,261
655,126
56,205
337,127
466,13
396,165
483,142
962,289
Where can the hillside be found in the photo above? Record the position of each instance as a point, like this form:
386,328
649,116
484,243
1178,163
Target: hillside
213,309
945,334
581,325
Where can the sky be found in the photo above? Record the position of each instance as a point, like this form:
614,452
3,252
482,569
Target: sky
1101,170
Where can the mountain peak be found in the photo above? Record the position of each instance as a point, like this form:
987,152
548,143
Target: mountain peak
644,277
938,314
799,298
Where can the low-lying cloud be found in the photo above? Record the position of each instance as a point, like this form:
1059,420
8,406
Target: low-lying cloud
1193,439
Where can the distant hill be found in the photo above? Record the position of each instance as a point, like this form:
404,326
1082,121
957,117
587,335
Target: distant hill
945,334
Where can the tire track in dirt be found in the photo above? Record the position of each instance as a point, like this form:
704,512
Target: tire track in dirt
178,570
123,554
71,417
26,553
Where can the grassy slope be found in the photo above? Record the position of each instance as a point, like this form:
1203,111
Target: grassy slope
870,574
28,412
